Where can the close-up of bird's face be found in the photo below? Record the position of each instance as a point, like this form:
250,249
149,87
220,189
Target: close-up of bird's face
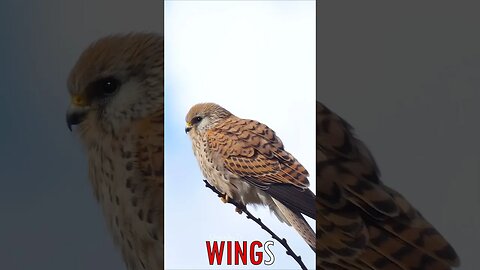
116,81
201,117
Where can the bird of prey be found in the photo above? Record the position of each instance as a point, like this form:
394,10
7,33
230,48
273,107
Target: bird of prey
247,162
116,89
361,223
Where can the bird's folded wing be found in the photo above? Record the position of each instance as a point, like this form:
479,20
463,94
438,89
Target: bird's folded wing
252,151
361,223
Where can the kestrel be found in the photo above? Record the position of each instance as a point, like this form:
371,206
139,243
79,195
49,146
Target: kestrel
116,90
361,223
247,162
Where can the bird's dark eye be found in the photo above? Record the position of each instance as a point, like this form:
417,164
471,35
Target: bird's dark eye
196,119
108,85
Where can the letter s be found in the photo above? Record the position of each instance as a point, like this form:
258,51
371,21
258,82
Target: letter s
269,253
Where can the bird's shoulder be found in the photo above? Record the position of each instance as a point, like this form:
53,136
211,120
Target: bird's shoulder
244,137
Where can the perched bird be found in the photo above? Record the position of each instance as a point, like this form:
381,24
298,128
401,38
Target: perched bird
361,223
116,90
247,162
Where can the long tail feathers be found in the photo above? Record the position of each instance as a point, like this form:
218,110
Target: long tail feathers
299,223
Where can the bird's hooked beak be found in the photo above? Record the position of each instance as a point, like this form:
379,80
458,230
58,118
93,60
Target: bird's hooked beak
77,111
188,127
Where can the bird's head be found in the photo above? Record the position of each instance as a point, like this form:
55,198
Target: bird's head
203,116
116,81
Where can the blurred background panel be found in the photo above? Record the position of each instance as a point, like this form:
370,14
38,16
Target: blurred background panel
49,217
406,75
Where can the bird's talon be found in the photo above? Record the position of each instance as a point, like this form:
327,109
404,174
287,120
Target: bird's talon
224,198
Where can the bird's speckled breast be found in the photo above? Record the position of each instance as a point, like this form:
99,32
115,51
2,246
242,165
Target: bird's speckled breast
131,198
216,175
211,164
211,172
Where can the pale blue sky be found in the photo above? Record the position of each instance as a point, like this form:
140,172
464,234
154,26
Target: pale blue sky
257,59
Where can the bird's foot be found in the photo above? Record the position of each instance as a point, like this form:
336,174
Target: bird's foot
224,198
239,210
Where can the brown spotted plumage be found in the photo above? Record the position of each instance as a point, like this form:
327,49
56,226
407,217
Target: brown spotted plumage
361,223
117,102
246,161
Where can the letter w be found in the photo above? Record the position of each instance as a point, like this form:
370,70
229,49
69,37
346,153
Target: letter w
215,253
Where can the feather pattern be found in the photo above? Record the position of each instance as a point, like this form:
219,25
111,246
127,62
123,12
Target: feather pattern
361,223
252,150
127,176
